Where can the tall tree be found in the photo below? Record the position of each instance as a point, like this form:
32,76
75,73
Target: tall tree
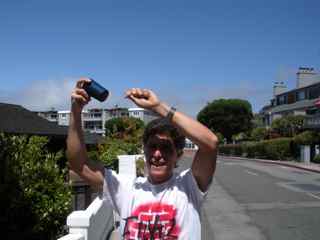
123,136
126,128
227,116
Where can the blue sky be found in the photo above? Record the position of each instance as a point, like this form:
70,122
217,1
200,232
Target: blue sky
188,52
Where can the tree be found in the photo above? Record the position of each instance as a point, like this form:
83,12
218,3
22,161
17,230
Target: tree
259,133
35,200
257,120
112,147
227,116
128,129
123,136
288,126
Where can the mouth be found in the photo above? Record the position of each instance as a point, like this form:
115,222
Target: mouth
158,162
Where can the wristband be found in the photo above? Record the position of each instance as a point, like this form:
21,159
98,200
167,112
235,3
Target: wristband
171,113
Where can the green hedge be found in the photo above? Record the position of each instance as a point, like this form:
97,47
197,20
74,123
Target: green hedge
316,159
276,149
307,138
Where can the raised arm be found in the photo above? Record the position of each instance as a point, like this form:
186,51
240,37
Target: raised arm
204,162
77,155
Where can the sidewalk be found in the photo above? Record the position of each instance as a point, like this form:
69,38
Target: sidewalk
313,167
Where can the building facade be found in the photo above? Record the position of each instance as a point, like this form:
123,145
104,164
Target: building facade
145,115
303,100
93,119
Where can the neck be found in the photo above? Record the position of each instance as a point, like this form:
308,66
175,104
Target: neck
156,182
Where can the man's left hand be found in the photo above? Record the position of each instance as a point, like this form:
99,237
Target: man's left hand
143,98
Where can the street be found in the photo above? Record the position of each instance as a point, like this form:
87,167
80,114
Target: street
251,200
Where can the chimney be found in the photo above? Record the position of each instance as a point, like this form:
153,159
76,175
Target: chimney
306,76
278,88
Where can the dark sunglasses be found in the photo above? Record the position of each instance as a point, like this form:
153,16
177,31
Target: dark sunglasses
165,146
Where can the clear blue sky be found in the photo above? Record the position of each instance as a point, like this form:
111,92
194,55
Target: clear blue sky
189,52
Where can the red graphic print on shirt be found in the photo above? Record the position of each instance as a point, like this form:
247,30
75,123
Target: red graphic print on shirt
155,221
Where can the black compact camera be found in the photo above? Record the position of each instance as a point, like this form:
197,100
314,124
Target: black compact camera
95,90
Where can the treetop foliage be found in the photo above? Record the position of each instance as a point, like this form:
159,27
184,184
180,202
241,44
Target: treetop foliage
227,116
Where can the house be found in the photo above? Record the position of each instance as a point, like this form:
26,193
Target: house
303,100
16,119
143,114
93,119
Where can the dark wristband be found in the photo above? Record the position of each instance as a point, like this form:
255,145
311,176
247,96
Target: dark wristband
171,113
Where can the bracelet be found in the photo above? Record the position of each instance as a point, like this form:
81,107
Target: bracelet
171,113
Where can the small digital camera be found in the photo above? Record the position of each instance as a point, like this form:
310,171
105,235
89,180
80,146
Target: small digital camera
95,90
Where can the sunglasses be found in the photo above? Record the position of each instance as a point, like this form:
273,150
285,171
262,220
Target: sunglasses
165,146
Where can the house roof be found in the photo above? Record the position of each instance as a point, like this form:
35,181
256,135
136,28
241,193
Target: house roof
16,119
300,88
293,106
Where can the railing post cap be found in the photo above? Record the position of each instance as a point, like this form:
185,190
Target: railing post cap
78,219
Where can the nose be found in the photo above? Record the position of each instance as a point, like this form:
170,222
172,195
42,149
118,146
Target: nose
157,153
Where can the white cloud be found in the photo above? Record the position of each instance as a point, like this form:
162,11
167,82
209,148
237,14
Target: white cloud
46,94
42,95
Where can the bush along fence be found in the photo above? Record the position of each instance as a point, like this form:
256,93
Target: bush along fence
276,149
285,148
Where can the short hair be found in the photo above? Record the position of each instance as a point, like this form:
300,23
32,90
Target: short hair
164,126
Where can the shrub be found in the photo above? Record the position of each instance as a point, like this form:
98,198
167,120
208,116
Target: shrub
259,134
278,149
140,166
307,138
225,149
255,150
35,200
316,159
288,126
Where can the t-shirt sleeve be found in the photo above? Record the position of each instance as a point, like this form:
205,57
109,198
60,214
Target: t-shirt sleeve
194,193
115,189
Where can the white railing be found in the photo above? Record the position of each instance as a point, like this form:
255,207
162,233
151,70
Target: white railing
97,221
94,223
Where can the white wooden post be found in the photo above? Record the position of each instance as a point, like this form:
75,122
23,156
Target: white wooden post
127,165
94,223
97,221
305,152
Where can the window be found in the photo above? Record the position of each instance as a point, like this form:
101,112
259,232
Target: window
91,125
314,92
301,95
291,98
281,100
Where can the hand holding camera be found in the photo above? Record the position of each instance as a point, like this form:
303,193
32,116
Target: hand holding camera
84,90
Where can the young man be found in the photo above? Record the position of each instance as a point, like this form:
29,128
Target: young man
165,205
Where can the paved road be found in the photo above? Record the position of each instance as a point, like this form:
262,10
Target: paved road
250,200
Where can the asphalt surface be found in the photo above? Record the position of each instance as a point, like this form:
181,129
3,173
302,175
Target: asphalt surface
252,200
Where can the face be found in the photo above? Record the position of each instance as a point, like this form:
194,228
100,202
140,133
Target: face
161,156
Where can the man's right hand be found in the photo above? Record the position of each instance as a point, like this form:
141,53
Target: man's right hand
92,173
79,97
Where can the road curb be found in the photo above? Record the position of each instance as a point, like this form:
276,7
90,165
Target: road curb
274,162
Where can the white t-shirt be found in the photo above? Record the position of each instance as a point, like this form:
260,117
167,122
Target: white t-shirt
170,210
